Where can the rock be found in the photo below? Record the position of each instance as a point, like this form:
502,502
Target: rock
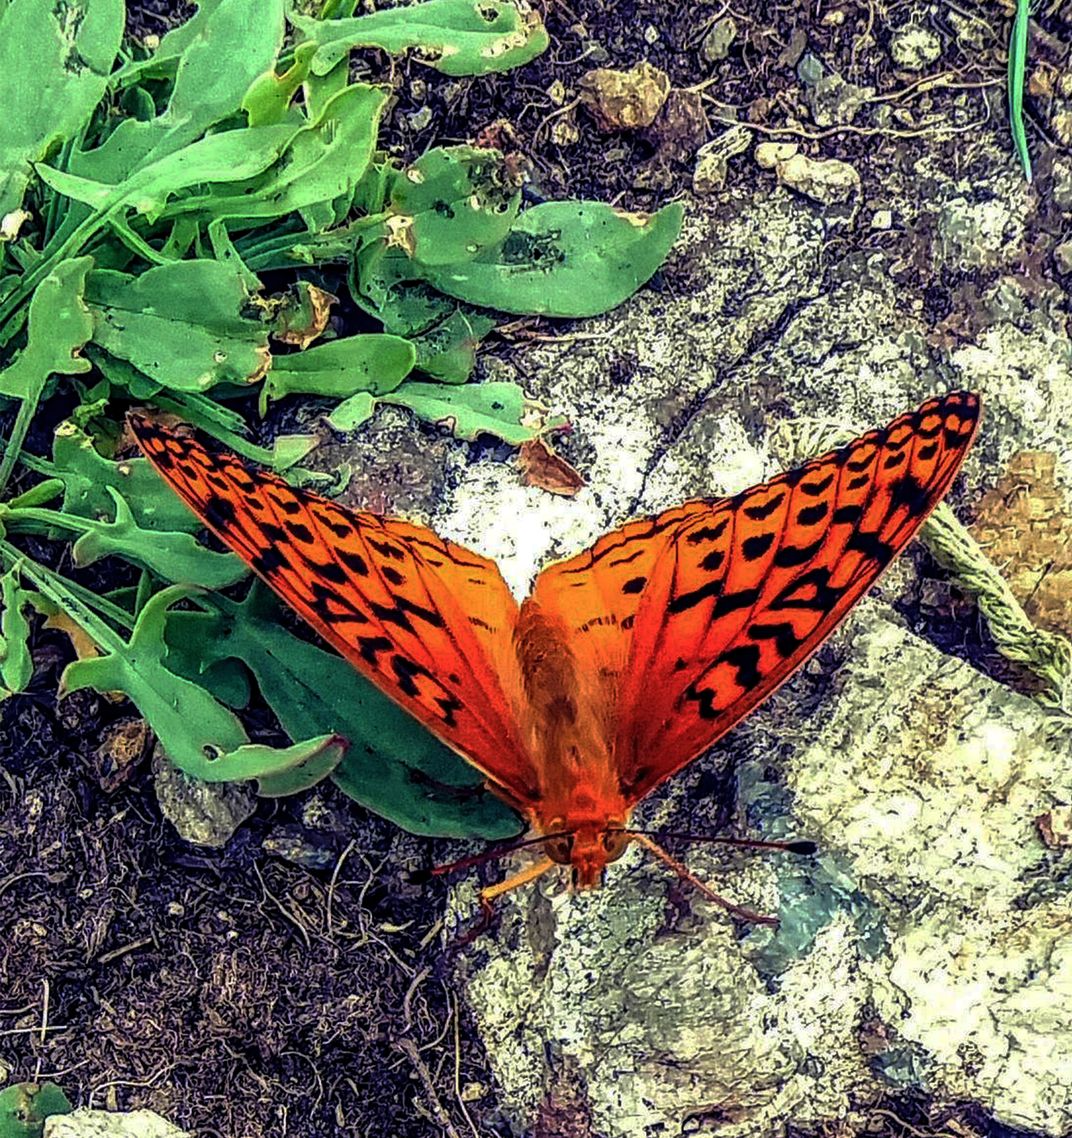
716,44
106,1124
810,69
712,160
1062,126
680,128
882,219
710,173
769,154
1061,189
915,905
625,100
826,180
1062,258
834,102
975,234
915,47
205,813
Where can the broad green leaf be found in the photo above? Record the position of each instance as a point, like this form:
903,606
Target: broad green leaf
229,156
321,161
181,324
452,204
565,259
59,326
175,557
199,735
457,37
447,351
16,664
234,43
375,362
54,63
88,477
25,1106
393,765
352,412
269,96
499,409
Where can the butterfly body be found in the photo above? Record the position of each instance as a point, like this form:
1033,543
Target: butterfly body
626,661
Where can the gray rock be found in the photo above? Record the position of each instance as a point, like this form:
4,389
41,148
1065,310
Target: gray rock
205,813
915,47
106,1124
926,903
718,41
834,102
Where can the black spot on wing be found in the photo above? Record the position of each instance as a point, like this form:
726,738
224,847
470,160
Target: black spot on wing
761,513
812,515
634,585
786,641
745,658
790,556
754,547
219,512
870,545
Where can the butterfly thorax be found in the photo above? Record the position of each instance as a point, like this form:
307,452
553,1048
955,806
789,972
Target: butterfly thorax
580,791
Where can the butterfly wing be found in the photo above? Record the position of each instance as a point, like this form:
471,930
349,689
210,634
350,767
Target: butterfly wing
688,620
427,621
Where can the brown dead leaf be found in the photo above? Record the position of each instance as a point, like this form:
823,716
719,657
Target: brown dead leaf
123,747
541,466
304,317
625,100
1055,827
1024,525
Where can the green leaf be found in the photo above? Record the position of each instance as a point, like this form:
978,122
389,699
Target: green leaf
176,557
229,156
16,664
447,351
234,42
199,735
322,161
565,259
452,204
376,363
457,37
352,412
88,477
25,1106
1018,39
269,96
180,324
55,58
393,765
59,326
499,409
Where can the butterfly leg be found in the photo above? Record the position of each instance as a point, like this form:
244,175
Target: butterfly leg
685,874
487,910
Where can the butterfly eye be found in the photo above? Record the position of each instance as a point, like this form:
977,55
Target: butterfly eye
560,848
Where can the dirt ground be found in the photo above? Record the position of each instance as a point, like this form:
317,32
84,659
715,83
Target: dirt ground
241,994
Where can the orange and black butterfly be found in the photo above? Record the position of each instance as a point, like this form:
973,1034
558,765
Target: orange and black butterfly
624,662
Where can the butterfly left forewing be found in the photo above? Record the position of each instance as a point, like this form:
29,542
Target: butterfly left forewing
730,596
429,622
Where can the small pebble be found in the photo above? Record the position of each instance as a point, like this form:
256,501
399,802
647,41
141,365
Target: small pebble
716,44
914,47
769,154
882,219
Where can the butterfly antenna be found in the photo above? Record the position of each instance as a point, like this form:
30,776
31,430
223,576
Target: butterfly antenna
800,846
685,874
422,876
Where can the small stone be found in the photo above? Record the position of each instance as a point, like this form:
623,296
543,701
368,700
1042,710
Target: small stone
833,19
564,131
625,100
834,102
769,154
914,47
84,1123
810,69
557,92
823,180
421,119
710,173
716,44
651,35
681,127
1062,127
1062,258
205,813
1061,188
1055,827
882,219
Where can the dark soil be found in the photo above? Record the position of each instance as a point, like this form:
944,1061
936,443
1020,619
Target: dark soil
240,994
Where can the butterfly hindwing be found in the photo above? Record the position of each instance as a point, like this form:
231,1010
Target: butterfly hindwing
429,622
690,619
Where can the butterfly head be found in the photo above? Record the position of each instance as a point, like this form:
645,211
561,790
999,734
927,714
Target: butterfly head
587,849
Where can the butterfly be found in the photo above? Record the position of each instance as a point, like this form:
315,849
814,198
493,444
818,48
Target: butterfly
626,661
